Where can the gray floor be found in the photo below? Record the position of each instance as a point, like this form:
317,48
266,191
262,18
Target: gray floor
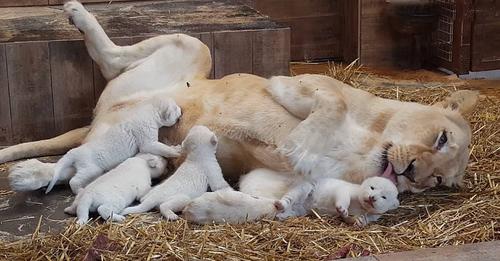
20,212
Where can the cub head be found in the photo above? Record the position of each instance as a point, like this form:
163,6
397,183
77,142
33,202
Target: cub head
156,164
378,195
426,146
200,138
169,112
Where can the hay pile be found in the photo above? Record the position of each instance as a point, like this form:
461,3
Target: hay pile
431,219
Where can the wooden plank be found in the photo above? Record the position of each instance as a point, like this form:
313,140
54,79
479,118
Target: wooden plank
350,33
30,91
232,52
73,93
313,38
298,8
486,36
271,52
4,3
5,121
58,2
208,39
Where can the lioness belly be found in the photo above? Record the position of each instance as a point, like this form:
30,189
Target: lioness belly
249,123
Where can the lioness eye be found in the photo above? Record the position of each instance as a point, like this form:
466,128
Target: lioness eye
442,140
371,187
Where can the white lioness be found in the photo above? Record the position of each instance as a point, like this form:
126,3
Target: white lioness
350,132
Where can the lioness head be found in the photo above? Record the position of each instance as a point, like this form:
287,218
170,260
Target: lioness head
426,146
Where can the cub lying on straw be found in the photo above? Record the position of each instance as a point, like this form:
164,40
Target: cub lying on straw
256,200
139,133
110,193
199,170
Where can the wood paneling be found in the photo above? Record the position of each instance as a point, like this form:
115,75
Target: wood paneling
208,40
232,52
316,26
5,121
4,3
486,35
30,91
350,33
271,52
72,85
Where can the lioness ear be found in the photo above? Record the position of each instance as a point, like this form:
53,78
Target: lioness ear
462,101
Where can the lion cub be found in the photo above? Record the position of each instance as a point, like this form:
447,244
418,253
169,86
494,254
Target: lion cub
355,204
110,193
199,170
139,133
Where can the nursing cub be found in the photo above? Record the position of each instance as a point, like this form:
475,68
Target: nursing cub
110,193
138,133
199,170
268,194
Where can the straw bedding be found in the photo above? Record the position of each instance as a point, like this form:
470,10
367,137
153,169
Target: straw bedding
431,219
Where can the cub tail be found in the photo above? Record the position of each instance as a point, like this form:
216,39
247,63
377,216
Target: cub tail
145,206
63,168
228,206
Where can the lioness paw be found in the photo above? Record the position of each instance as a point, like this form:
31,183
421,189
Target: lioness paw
79,16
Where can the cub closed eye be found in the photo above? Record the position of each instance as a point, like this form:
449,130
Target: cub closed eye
372,187
384,197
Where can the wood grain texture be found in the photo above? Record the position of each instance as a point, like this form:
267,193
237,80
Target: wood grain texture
316,26
58,2
486,36
72,85
271,53
232,52
4,3
5,121
30,91
208,39
350,33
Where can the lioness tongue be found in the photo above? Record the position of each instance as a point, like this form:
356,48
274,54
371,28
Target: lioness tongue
389,174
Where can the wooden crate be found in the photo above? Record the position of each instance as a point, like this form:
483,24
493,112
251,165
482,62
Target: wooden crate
49,84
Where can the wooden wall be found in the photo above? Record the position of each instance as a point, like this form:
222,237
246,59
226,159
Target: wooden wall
50,87
486,35
317,25
13,3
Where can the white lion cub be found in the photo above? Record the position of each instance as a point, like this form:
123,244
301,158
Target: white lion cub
139,133
110,193
199,170
356,204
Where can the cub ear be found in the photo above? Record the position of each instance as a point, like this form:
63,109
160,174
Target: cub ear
462,101
214,140
152,163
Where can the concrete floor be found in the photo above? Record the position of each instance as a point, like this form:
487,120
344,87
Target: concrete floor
20,212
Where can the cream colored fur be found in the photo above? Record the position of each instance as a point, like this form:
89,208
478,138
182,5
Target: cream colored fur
193,177
137,133
337,131
110,193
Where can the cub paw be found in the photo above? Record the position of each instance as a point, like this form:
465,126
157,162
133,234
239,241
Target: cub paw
342,211
78,15
281,205
70,210
171,217
360,221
